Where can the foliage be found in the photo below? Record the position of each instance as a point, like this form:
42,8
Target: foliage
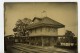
20,26
69,36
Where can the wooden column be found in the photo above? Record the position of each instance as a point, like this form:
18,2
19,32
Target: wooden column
42,41
35,41
29,41
51,41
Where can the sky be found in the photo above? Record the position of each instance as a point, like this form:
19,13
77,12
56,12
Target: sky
65,13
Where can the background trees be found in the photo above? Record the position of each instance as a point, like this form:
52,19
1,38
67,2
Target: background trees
69,36
69,33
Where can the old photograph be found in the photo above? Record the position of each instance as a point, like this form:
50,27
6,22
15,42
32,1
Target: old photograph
40,27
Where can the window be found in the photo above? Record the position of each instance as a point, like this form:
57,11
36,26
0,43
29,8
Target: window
35,30
49,29
54,30
41,29
31,31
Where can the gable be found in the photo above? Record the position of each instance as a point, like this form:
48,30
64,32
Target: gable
36,18
36,21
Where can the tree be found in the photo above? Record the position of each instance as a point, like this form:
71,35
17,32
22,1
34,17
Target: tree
69,33
20,26
69,36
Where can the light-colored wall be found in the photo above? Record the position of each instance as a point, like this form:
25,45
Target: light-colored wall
36,21
45,31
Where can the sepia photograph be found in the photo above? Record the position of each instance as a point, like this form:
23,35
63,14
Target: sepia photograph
40,27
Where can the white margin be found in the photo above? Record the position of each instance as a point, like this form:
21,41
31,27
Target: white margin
1,27
2,18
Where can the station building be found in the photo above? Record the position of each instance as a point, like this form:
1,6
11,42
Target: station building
44,31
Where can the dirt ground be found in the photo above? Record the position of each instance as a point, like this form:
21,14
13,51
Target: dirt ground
24,48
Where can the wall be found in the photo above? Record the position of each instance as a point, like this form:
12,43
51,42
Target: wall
44,31
36,21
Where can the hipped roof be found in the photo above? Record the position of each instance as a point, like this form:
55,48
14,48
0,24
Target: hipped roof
45,21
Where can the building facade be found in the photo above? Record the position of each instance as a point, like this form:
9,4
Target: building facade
44,31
